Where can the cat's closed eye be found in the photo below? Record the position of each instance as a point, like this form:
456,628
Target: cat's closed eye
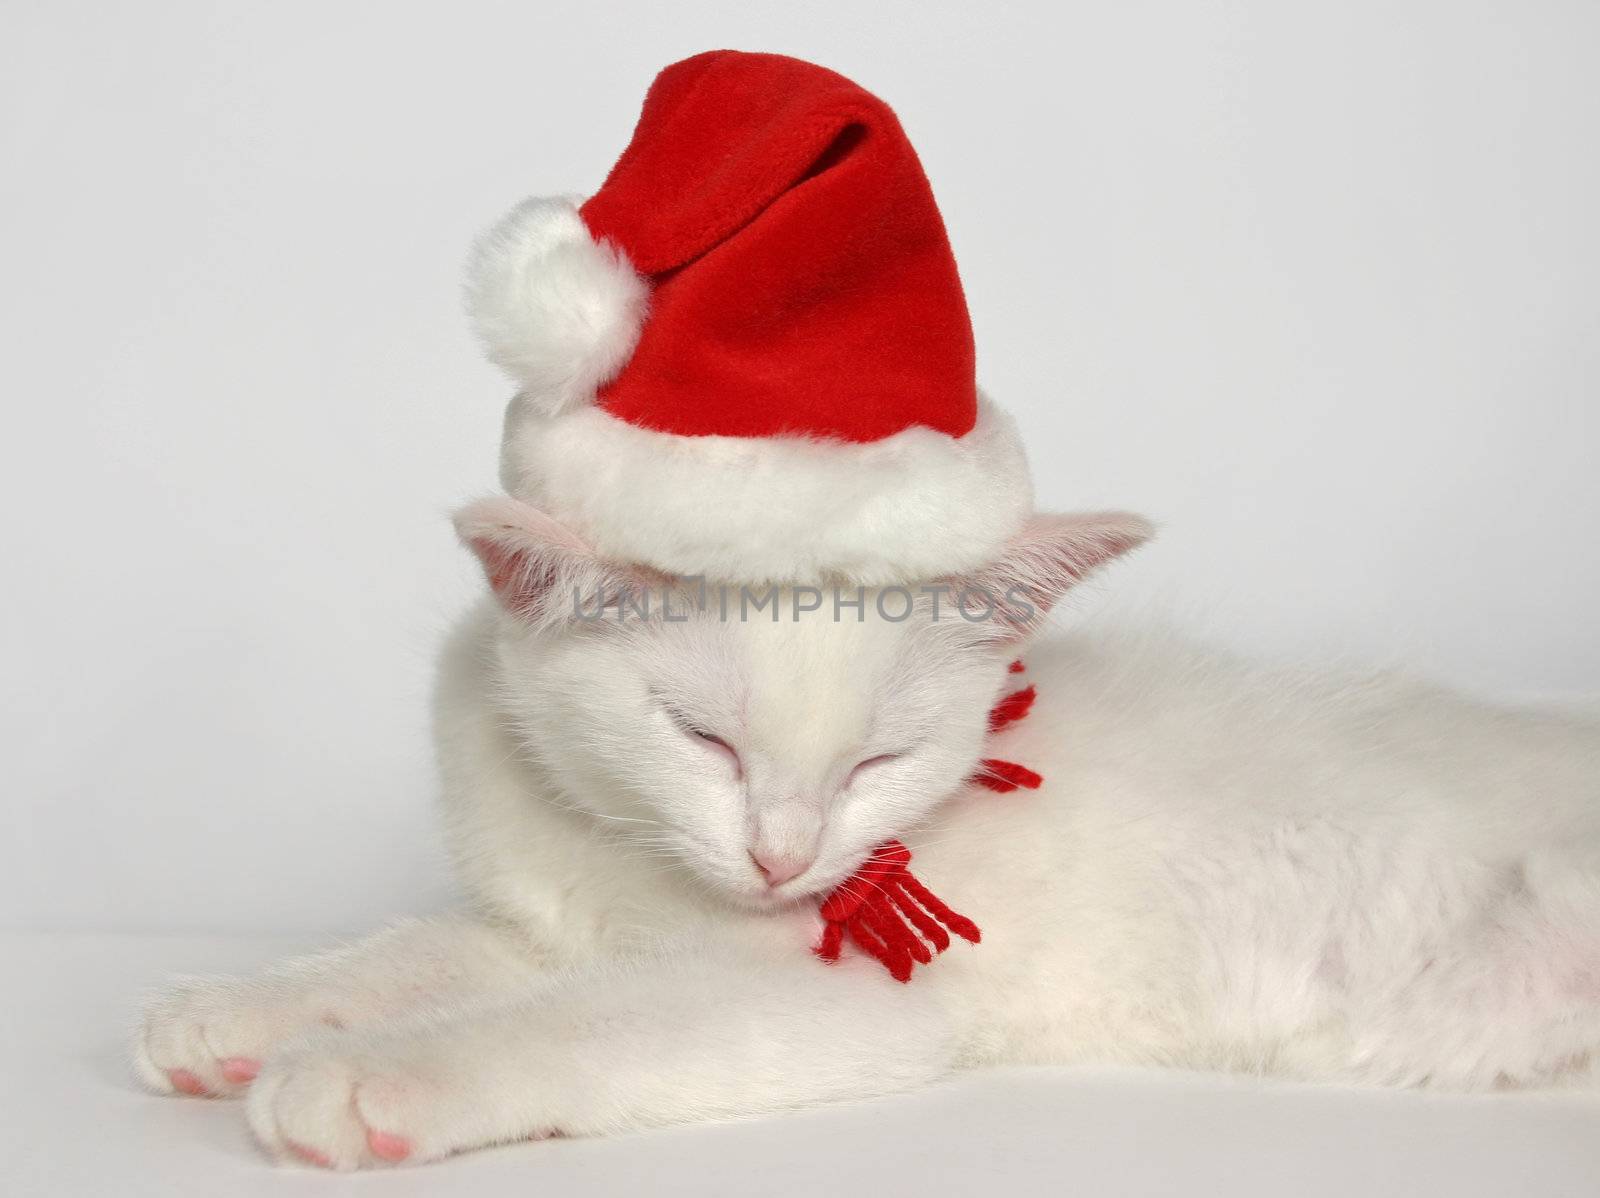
719,746
870,763
701,736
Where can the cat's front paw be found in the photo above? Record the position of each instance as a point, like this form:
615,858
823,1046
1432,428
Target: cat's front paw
208,1037
353,1102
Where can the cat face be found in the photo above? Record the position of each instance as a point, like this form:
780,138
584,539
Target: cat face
765,740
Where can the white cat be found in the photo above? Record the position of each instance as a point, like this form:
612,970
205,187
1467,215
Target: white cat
1360,880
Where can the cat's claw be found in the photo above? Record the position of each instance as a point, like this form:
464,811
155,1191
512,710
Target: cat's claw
386,1146
310,1155
336,1108
174,1053
381,1144
207,1037
187,1083
241,1071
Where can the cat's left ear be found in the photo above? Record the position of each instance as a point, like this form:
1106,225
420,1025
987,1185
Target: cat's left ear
542,572
1050,556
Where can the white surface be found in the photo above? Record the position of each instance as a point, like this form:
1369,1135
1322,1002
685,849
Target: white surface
1316,286
73,1123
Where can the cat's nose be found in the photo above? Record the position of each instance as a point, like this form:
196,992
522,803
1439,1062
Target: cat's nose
778,869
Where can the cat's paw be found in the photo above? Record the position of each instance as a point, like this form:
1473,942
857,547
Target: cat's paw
208,1037
354,1102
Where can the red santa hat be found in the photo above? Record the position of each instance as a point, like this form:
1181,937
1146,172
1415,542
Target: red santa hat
748,355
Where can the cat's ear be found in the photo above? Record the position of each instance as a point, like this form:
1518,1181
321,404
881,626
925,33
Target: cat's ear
540,570
1040,564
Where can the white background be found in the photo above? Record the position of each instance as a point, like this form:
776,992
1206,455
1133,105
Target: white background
1315,285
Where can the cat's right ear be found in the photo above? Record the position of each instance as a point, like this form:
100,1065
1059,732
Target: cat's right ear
541,571
1041,563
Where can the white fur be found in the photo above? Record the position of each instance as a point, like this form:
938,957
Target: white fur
915,505
557,311
1344,879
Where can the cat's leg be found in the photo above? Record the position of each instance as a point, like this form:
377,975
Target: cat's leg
1540,969
210,1035
1510,998
606,1051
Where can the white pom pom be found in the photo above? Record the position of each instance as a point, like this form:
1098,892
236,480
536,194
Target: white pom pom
557,311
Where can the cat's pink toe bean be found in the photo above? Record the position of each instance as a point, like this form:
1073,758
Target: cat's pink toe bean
241,1071
310,1155
388,1147
187,1083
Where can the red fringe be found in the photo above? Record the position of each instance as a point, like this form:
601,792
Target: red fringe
1003,777
832,941
1011,708
884,910
925,924
888,914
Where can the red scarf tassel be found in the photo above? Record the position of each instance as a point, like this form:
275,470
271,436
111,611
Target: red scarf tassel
882,907
890,915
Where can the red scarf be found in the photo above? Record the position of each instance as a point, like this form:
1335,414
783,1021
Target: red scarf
882,907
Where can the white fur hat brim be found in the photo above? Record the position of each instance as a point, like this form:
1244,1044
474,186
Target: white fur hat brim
916,505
